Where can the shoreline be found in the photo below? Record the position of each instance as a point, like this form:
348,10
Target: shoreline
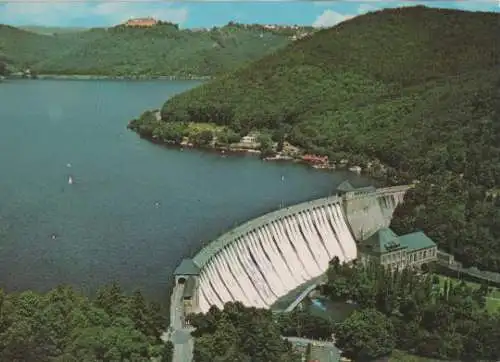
227,151
105,77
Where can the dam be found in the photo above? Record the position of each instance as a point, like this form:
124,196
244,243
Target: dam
264,259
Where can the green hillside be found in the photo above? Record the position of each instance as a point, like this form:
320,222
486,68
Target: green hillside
51,30
65,325
416,88
23,48
160,50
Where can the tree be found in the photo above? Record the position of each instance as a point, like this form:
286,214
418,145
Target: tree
227,136
63,325
365,335
110,298
410,113
122,51
237,333
203,138
308,351
279,136
304,324
3,69
168,352
265,144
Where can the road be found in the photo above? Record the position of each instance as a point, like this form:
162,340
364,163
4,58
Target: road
329,344
177,334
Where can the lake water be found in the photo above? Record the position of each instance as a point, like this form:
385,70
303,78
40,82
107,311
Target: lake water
135,209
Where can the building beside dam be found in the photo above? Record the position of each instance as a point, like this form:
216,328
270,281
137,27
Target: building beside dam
388,249
264,259
376,242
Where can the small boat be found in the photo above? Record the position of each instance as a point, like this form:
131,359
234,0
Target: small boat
282,178
70,180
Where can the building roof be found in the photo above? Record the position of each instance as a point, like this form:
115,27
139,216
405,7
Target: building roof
383,241
189,288
345,187
148,18
187,267
366,189
417,240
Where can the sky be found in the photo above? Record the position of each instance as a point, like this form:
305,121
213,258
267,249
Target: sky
96,13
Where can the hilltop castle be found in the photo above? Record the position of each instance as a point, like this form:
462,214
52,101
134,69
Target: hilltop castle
141,22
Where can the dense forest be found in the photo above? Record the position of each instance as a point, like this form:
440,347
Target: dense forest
162,50
238,333
415,88
64,325
417,313
422,314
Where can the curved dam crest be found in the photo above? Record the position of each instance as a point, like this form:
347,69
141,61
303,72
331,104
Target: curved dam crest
264,259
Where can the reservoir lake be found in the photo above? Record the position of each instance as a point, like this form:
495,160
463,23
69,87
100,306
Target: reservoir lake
135,209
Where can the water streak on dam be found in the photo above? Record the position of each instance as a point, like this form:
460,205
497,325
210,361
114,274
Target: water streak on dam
265,258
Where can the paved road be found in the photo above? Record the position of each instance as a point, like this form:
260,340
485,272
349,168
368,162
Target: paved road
178,335
183,345
312,341
176,306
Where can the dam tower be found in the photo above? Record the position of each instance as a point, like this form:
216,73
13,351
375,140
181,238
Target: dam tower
187,278
362,209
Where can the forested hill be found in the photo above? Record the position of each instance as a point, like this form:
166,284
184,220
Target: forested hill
416,88
163,49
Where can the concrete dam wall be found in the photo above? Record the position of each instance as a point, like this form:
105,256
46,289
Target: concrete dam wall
368,212
265,258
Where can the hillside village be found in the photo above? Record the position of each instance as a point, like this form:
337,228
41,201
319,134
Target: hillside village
295,32
262,143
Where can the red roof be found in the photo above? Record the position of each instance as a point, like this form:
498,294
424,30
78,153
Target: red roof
314,158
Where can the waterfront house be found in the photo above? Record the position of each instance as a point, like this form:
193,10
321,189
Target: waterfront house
248,139
315,160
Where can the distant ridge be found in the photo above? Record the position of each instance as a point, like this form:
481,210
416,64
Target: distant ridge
159,50
48,30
